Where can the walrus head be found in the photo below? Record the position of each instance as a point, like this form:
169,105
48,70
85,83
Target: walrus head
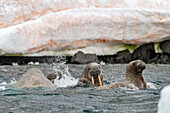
134,73
136,66
93,73
53,76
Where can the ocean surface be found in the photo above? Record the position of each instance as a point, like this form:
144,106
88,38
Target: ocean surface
82,98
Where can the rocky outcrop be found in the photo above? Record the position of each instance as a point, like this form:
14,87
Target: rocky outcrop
165,46
82,58
29,27
144,52
124,56
33,78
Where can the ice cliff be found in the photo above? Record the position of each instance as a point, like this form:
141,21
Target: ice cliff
36,26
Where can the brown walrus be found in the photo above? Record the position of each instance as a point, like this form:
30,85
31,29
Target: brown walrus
33,77
133,76
92,74
53,76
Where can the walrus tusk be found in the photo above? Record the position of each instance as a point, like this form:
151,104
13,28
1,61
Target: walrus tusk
100,80
145,68
92,79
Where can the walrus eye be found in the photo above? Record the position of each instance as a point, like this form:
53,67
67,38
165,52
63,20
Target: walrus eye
88,68
134,64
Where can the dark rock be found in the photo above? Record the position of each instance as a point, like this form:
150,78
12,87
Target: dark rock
155,59
111,59
165,46
165,58
144,52
161,58
24,60
82,58
123,56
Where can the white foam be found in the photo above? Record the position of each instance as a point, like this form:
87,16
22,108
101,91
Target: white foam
150,85
164,101
13,81
66,79
2,88
3,83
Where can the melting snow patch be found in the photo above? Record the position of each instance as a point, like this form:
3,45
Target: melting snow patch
102,63
36,63
14,64
30,63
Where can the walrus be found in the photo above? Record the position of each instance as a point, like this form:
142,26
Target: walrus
33,77
92,75
53,76
133,77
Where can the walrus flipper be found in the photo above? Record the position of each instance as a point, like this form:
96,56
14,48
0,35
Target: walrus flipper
85,81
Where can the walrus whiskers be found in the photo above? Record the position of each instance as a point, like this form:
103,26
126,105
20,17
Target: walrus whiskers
100,80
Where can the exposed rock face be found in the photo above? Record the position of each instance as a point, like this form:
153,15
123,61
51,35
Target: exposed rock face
33,26
82,58
165,46
124,56
33,78
144,52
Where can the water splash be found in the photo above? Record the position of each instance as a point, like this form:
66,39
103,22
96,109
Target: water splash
66,79
2,88
4,85
133,87
150,85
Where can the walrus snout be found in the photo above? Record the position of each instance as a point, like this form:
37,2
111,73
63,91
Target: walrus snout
95,73
140,67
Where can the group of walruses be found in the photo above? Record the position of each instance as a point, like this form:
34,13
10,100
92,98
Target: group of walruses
93,75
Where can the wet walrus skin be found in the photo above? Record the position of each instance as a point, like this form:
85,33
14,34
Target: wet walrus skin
92,75
53,76
133,77
33,78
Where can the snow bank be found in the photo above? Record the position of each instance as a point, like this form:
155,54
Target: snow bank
38,25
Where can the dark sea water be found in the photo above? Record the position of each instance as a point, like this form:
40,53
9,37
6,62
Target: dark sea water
83,99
